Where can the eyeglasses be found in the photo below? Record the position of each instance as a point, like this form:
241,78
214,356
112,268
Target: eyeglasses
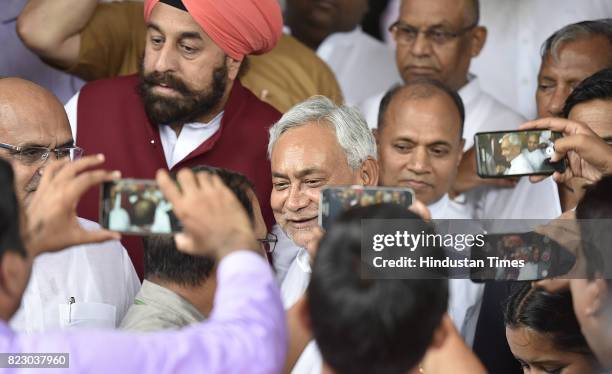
35,155
269,242
405,34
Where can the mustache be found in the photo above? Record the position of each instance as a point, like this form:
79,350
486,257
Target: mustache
168,80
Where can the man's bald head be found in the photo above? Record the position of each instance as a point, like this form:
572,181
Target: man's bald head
30,116
419,138
421,88
23,100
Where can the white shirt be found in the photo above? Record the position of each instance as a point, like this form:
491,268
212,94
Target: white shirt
510,60
175,148
100,278
519,165
363,65
465,296
536,158
464,301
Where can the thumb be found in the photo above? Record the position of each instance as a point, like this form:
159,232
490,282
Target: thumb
184,243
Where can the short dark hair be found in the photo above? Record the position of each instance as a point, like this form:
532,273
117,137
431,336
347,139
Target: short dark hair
10,235
548,313
421,88
473,11
596,87
370,325
163,260
594,214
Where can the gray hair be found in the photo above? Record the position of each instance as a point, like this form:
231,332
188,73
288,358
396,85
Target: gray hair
513,139
576,31
351,129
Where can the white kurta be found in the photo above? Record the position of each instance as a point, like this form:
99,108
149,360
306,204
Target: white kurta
509,63
363,65
100,278
464,301
536,158
519,165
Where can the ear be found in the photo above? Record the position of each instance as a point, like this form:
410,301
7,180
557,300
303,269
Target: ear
479,37
375,133
597,294
461,145
442,332
233,67
368,175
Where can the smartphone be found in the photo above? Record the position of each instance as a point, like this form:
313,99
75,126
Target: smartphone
136,206
334,200
520,256
505,154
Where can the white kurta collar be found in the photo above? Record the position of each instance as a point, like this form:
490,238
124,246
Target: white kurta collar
470,92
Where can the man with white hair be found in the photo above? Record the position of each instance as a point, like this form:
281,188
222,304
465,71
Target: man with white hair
511,145
314,144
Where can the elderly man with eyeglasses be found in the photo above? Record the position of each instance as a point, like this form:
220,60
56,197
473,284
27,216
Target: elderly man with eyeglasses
438,39
88,286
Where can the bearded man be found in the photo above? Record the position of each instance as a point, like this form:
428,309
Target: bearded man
186,107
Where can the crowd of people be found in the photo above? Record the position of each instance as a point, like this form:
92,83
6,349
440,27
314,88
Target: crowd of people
242,111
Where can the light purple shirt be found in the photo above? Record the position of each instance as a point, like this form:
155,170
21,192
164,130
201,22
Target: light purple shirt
246,333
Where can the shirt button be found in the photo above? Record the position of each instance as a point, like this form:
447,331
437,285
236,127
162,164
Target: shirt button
152,141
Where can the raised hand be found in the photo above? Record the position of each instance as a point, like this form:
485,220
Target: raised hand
214,222
51,214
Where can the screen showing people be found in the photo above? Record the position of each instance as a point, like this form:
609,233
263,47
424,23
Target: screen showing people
136,207
520,256
335,200
516,153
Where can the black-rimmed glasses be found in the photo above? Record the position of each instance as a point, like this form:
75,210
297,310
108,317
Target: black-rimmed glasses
269,242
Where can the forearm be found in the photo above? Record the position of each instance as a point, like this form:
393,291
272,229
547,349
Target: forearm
51,28
246,333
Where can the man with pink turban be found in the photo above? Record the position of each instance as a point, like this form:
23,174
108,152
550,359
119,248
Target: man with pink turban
186,106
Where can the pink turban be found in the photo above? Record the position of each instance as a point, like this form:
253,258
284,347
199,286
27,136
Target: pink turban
238,27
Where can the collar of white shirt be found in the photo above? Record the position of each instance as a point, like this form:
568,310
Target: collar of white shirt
190,138
470,92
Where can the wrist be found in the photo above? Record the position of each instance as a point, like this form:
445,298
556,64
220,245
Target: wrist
239,241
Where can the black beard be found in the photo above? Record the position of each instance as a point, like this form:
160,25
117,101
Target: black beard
192,105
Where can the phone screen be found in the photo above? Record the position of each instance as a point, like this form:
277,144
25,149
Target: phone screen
334,200
505,154
520,256
135,206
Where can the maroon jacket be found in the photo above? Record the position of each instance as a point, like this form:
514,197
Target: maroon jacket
111,120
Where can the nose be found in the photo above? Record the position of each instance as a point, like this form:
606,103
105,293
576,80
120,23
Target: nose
421,46
419,162
297,199
557,101
165,59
